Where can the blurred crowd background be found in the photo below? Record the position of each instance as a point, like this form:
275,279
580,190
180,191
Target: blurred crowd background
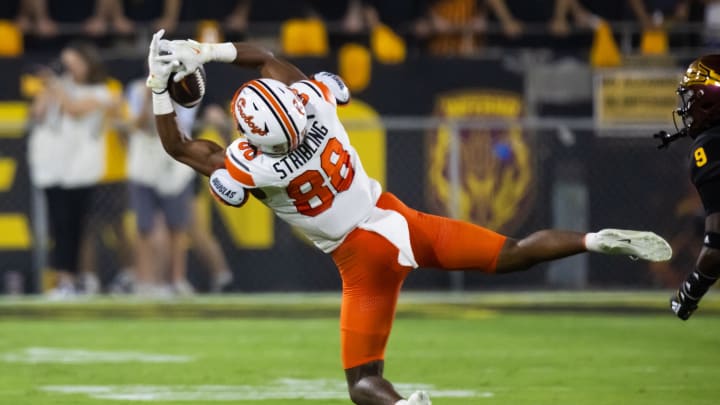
512,114
447,27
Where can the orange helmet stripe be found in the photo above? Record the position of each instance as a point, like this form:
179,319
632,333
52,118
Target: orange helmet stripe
279,109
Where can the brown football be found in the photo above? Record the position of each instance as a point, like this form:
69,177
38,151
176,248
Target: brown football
189,91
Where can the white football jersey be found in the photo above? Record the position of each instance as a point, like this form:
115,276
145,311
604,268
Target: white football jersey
321,187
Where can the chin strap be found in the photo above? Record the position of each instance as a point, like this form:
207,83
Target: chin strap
666,138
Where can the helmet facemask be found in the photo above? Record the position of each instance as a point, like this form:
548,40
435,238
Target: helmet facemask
687,97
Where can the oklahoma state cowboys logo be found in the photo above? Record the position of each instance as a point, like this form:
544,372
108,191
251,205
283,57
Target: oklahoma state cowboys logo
495,185
248,119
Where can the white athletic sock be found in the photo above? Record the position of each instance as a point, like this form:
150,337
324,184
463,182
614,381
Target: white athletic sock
401,402
591,243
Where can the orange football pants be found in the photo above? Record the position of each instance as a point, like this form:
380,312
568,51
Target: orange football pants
372,276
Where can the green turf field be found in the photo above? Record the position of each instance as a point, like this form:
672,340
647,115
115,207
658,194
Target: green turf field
499,349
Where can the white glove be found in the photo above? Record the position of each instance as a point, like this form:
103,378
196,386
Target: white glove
159,70
226,189
336,85
192,54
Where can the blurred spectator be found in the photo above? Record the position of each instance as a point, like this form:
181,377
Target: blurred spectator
454,25
98,17
511,26
161,14
33,17
108,12
655,13
40,16
563,9
354,19
238,18
234,14
158,185
365,15
66,152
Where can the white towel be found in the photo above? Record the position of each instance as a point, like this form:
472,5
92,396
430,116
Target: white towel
393,227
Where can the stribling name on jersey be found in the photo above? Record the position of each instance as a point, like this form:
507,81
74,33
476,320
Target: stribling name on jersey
297,158
221,189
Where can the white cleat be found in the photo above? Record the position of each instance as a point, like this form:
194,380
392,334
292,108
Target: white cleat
636,244
419,398
183,288
220,281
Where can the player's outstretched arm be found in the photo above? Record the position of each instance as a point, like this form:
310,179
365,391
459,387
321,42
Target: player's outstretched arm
192,54
252,56
203,156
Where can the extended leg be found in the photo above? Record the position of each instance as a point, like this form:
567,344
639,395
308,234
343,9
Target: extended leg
552,244
450,244
538,247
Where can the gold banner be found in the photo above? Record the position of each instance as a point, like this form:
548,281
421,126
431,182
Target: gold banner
496,166
635,97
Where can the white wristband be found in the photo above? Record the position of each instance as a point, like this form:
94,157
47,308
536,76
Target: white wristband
225,52
162,104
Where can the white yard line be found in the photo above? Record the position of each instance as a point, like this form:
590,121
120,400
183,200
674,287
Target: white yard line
285,388
33,355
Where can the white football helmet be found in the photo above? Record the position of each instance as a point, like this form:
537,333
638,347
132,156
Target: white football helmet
271,116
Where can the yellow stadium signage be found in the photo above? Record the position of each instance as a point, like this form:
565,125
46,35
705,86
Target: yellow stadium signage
627,97
14,225
496,165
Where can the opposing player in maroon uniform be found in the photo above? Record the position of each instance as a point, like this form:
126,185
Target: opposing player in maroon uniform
699,92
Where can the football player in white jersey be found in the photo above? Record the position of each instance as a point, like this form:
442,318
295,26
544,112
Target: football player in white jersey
295,156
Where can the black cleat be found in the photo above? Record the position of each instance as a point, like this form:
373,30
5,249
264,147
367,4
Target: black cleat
682,305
